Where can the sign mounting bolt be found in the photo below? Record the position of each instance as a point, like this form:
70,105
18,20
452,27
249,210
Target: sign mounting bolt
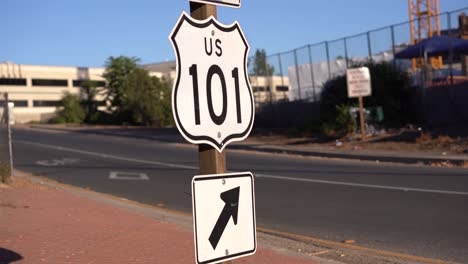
224,181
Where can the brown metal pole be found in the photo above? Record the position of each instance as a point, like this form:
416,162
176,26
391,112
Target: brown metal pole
210,160
361,116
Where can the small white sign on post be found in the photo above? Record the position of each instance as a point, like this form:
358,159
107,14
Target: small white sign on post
223,216
359,82
228,3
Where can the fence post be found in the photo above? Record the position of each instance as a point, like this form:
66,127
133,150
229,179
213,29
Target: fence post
312,73
281,72
328,59
346,52
369,46
268,79
297,74
392,32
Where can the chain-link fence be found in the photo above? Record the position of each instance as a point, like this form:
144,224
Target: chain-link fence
300,74
6,163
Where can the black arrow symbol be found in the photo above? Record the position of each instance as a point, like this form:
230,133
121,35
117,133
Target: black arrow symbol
231,207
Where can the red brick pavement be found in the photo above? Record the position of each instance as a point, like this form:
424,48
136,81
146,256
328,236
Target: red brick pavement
41,224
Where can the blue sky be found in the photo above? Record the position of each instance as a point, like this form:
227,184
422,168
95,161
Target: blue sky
86,32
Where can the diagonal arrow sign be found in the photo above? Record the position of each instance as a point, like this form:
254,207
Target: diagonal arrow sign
231,208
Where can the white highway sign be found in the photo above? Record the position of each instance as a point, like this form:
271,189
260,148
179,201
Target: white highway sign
359,82
212,101
223,216
228,3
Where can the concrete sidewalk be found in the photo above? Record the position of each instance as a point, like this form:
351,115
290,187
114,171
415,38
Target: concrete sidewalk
43,223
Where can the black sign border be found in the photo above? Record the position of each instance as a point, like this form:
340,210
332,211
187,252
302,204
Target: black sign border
195,23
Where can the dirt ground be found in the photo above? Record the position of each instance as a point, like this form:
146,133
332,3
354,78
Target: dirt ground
447,141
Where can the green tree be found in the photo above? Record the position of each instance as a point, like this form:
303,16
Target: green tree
260,64
117,71
146,99
70,110
89,91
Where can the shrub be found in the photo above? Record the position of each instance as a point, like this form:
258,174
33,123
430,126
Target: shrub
342,125
70,110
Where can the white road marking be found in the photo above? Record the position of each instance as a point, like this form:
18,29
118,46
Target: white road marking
57,162
120,175
101,155
275,177
374,186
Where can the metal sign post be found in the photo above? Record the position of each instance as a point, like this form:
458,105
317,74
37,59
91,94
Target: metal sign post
361,117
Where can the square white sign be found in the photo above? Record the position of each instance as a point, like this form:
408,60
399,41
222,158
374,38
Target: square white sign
223,216
359,82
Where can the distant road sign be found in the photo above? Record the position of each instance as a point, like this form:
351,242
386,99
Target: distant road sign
212,100
216,199
228,3
359,82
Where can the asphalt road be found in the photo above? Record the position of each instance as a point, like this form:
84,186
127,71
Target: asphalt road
416,210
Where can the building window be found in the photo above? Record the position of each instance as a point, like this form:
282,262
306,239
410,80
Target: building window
78,83
12,81
282,88
45,103
20,103
259,89
49,82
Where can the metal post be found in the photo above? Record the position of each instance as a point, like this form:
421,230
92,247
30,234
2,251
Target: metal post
268,79
328,59
361,116
392,31
312,73
281,73
297,74
369,46
346,52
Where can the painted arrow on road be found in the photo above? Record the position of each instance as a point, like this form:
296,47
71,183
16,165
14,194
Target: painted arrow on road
231,208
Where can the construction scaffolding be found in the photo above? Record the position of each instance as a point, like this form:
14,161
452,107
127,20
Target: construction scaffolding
424,23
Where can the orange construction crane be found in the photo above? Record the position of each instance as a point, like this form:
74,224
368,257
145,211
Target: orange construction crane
424,23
